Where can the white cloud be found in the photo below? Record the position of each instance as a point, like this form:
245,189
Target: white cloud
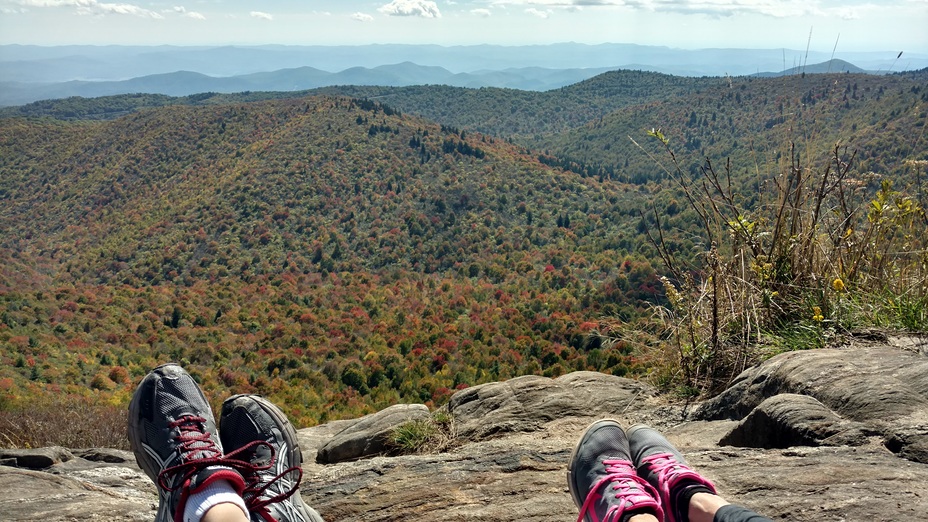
362,17
181,10
481,12
535,12
847,13
261,15
94,7
423,8
57,3
715,8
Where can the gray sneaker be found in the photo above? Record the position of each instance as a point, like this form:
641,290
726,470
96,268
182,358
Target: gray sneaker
602,480
173,435
662,465
254,430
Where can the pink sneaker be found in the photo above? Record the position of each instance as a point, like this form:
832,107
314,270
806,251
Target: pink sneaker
602,479
664,468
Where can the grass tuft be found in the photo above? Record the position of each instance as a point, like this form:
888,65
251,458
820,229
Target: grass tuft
431,435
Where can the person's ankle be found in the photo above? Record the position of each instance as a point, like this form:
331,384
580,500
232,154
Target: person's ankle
215,493
703,506
224,513
643,517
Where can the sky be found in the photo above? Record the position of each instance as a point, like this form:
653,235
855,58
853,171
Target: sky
846,25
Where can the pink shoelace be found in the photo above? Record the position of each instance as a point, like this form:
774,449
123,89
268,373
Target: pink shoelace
630,491
671,472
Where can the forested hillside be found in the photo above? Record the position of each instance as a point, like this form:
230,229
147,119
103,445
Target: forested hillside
752,121
362,246
328,252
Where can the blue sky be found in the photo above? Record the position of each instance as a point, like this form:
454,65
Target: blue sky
854,25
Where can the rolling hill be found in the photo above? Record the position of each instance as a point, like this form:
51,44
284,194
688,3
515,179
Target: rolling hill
362,246
329,252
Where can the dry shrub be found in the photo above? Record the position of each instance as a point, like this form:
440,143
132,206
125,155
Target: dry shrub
70,421
820,257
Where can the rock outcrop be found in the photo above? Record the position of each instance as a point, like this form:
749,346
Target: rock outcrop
788,420
807,436
35,459
370,435
528,403
109,487
883,388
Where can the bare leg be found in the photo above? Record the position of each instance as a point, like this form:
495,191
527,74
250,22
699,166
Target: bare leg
703,507
225,513
643,518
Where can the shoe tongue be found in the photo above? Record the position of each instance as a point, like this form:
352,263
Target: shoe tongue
202,450
197,439
613,467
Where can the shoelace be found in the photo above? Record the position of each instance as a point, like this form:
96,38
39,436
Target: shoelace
256,485
628,488
670,472
191,438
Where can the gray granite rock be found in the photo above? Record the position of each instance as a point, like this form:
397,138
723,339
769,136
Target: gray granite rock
118,495
39,458
369,435
885,388
526,403
521,477
788,419
108,455
509,474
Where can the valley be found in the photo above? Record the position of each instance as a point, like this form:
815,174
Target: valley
347,248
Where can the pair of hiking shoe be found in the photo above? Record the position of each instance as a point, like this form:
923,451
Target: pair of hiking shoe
174,436
615,474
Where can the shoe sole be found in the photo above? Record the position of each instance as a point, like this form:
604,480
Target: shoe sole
573,457
288,432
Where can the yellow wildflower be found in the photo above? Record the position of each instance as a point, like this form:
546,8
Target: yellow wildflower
838,285
817,317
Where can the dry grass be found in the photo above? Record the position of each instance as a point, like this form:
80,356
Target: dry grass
68,421
802,268
432,435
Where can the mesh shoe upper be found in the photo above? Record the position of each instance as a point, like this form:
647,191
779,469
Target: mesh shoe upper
173,435
254,430
659,462
602,480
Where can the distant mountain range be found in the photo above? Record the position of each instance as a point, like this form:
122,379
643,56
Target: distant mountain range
31,73
183,83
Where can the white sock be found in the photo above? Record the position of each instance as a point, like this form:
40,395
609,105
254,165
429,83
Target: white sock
217,492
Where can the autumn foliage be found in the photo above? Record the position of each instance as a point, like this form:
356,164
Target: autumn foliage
331,254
